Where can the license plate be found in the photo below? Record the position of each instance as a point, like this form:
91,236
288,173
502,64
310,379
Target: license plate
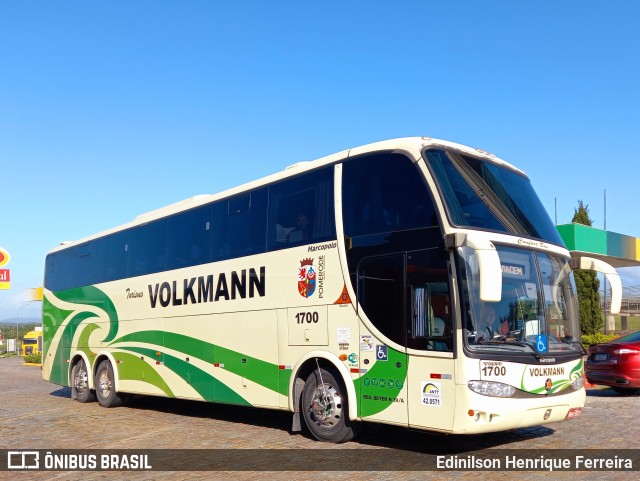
600,357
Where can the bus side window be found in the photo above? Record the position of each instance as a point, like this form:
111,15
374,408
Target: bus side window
239,225
189,238
430,317
301,210
384,193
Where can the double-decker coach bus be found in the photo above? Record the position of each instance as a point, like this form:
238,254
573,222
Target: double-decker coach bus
414,282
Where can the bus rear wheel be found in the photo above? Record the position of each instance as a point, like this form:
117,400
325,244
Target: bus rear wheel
80,379
105,386
324,408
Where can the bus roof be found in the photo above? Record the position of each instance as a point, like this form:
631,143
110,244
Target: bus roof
412,146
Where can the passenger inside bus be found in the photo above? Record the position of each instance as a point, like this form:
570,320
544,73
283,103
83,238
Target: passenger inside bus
300,232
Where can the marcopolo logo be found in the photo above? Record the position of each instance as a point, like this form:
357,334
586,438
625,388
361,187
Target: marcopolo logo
306,278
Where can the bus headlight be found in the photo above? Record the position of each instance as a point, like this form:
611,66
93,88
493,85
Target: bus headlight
493,389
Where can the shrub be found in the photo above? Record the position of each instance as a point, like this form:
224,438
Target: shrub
597,338
33,358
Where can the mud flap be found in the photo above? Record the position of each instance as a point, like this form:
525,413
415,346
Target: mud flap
296,425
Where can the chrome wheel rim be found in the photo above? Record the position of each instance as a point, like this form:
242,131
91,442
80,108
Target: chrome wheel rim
104,383
326,406
81,379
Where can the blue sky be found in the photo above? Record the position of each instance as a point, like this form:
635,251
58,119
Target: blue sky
111,109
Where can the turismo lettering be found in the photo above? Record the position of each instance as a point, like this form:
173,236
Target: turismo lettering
197,290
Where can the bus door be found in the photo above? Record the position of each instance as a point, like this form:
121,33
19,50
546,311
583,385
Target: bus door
430,376
382,299
406,296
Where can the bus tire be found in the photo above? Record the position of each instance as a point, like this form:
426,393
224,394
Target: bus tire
80,383
105,386
324,408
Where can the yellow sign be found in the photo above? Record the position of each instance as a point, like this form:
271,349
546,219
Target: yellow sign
34,294
4,257
5,279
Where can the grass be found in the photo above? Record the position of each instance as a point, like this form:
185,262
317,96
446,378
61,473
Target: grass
633,323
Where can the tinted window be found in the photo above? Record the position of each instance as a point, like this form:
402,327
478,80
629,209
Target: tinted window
481,194
384,193
301,210
74,266
239,225
406,296
111,253
146,249
381,293
189,238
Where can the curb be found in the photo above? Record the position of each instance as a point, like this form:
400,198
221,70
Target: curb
587,384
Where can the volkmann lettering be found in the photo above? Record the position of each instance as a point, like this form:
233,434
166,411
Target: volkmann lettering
196,290
546,371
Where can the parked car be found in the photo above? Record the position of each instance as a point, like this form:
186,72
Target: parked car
616,364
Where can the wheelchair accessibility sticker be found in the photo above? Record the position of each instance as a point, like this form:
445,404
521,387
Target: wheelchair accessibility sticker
541,343
381,353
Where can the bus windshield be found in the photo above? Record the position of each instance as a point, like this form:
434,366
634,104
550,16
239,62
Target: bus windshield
538,310
480,194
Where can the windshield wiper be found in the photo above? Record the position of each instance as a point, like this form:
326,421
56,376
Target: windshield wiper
583,351
498,342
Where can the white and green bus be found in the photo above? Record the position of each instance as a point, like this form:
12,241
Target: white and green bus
414,282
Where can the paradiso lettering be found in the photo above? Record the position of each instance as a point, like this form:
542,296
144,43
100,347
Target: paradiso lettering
196,290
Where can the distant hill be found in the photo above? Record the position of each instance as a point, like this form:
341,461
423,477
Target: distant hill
22,320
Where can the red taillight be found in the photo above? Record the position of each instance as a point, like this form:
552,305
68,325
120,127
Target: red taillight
626,351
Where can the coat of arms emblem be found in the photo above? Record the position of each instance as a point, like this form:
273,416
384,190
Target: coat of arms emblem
306,278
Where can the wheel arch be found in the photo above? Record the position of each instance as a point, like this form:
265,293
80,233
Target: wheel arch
108,357
307,364
74,360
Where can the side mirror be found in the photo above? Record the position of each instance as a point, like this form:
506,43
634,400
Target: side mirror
591,264
489,267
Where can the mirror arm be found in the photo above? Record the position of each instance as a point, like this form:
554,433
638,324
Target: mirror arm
488,262
591,264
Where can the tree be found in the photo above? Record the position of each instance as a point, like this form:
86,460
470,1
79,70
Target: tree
587,285
581,215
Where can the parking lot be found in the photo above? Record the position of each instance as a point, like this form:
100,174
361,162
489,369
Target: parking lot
37,415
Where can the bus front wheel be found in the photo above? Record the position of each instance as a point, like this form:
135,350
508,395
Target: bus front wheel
324,408
105,386
80,378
